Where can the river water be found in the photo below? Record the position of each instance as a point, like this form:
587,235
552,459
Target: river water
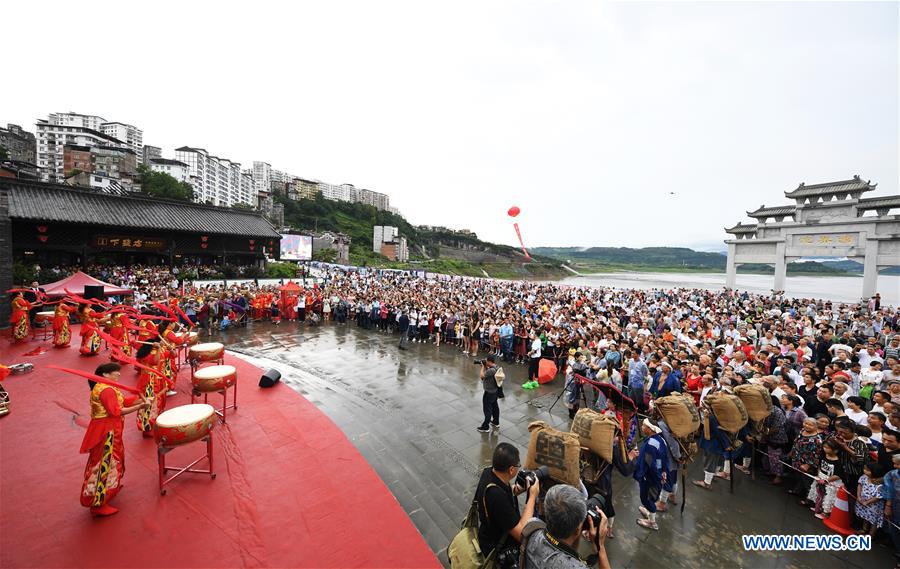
839,289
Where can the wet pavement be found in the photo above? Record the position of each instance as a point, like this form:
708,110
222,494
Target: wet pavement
413,414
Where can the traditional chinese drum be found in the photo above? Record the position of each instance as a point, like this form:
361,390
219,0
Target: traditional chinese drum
214,378
184,424
44,315
190,338
209,352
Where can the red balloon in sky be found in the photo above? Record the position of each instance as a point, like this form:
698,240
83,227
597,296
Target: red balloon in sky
513,211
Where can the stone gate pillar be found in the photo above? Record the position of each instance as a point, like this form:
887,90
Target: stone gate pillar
730,267
870,269
780,267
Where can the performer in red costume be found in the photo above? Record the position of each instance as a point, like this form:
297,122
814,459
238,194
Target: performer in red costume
169,348
62,334
90,339
151,386
19,319
118,330
103,441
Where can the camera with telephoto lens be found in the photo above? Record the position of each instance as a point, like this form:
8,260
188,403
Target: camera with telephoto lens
479,362
526,478
594,503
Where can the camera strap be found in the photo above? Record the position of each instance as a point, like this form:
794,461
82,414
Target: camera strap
527,531
561,547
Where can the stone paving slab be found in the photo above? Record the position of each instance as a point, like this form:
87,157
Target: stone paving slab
413,414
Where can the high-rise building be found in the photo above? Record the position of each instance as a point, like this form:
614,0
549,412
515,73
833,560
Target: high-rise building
248,193
92,122
74,129
376,199
115,162
343,192
215,180
262,176
132,137
20,145
150,153
304,189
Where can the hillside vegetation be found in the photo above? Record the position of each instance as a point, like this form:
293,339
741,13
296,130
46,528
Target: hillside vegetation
667,259
440,252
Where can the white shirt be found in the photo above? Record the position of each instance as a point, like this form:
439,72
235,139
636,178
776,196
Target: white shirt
860,418
536,348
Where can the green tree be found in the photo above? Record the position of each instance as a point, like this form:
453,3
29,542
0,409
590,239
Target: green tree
325,255
162,185
242,206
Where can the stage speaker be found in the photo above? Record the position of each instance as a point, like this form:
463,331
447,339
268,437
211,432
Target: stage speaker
270,378
93,291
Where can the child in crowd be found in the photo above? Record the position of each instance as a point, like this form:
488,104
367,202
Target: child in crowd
869,504
824,490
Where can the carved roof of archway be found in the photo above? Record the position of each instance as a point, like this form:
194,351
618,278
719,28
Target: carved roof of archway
853,185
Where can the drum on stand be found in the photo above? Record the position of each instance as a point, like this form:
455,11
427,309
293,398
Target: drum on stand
181,426
187,339
46,318
210,352
216,379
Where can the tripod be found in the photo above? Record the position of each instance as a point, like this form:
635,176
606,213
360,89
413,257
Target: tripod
581,383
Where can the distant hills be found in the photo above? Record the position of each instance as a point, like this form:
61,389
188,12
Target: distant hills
673,259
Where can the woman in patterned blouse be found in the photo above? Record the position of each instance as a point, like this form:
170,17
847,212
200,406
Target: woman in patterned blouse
805,456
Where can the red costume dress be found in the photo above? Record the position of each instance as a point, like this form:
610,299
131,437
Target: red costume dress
171,368
153,389
90,339
118,330
62,335
19,319
103,441
147,330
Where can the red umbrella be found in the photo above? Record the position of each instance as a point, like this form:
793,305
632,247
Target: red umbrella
546,371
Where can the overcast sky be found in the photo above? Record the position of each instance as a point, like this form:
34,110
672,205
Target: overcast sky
584,114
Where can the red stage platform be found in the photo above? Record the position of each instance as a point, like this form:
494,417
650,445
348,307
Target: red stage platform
291,490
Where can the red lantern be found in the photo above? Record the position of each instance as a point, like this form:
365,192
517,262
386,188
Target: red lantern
204,238
513,211
252,247
43,238
252,242
42,228
203,245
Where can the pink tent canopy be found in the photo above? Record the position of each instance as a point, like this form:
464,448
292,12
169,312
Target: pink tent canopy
75,284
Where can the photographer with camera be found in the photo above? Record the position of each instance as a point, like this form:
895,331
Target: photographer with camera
498,508
567,518
489,403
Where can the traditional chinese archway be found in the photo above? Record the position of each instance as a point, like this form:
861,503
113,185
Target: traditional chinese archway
828,220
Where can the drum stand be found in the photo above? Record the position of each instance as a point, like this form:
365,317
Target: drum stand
221,412
197,363
161,452
46,332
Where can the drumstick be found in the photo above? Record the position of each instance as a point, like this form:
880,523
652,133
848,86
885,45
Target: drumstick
96,378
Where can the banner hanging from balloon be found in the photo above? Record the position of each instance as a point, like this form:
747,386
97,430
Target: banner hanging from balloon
513,212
